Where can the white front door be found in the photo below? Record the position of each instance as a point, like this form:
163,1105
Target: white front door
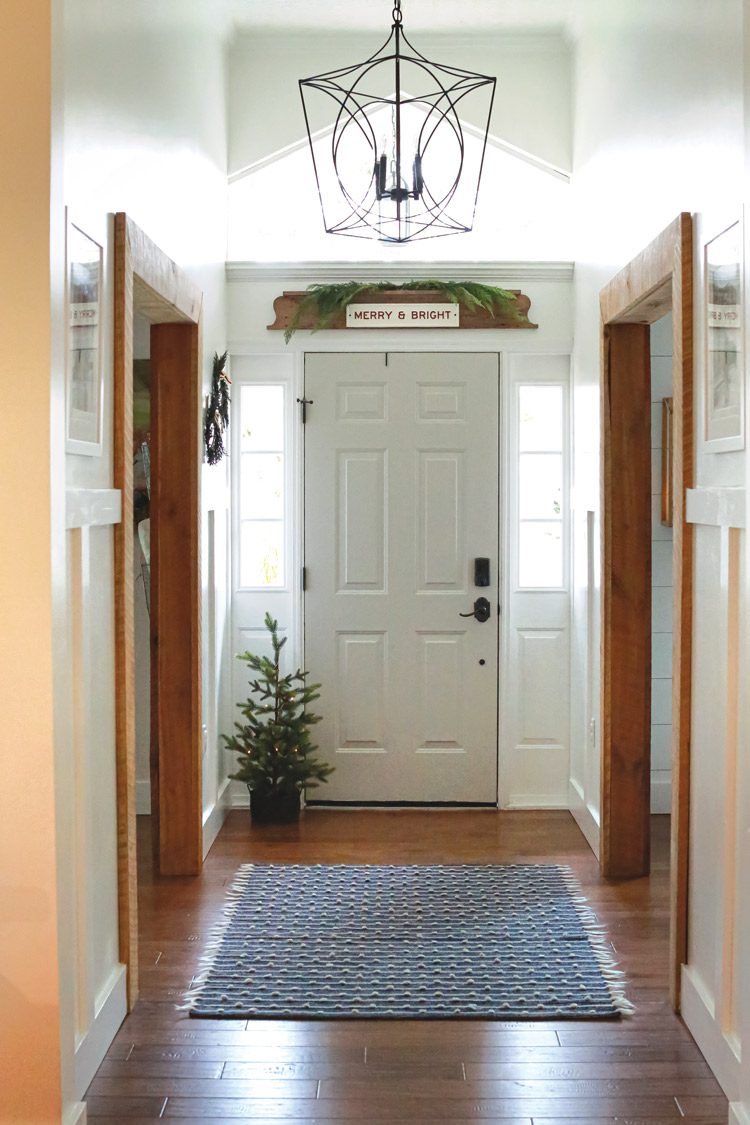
401,498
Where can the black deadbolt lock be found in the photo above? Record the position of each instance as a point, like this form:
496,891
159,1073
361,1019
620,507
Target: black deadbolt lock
481,572
481,610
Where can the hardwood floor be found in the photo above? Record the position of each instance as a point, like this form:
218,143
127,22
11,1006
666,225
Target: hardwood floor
643,1071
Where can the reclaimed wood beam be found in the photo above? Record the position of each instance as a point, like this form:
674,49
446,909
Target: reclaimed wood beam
285,307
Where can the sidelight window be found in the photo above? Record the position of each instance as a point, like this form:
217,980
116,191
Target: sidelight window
540,486
261,514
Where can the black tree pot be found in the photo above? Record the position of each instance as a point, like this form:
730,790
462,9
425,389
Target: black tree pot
274,808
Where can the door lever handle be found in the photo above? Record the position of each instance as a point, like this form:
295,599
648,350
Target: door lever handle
481,611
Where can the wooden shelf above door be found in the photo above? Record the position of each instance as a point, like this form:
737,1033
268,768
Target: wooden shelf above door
285,307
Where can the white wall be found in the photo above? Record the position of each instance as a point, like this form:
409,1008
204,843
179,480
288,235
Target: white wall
658,112
144,131
532,105
658,116
532,223
661,580
522,213
741,1109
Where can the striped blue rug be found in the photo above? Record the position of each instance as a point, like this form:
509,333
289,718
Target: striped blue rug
412,942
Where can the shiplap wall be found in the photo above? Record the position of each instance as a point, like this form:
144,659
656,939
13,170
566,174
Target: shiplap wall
661,570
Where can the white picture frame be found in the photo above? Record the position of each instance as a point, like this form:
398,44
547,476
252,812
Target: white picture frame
724,405
84,272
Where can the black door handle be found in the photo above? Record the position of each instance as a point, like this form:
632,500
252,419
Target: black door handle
481,611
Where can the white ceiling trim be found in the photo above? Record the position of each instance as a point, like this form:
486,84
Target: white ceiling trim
311,272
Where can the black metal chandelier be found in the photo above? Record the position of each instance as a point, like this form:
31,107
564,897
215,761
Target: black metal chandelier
395,165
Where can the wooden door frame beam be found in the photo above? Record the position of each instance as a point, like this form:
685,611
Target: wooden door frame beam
148,281
658,280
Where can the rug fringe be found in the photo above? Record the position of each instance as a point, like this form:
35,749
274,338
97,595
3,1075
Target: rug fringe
234,893
598,937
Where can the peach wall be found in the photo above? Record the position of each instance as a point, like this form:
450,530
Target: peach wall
29,992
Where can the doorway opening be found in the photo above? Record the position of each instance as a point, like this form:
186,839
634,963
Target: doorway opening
151,287
658,281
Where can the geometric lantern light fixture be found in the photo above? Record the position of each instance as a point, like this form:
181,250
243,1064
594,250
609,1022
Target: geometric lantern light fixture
389,151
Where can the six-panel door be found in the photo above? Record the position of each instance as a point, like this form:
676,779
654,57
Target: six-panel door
401,496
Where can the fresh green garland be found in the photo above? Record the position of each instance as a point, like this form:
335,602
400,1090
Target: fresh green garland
216,417
326,302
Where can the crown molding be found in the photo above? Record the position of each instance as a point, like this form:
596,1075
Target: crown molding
502,40
312,272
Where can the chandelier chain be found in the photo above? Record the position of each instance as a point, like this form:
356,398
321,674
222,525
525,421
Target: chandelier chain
397,17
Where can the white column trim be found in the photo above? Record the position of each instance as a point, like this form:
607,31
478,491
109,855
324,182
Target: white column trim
111,1008
92,507
700,1016
716,507
214,818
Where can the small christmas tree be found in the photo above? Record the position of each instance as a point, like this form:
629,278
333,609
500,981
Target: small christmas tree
273,742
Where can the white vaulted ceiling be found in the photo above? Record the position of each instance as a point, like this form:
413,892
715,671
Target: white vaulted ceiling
419,15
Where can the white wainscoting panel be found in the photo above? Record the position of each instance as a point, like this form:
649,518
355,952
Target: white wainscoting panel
712,979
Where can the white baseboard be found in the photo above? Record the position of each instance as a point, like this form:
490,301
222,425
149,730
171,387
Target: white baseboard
240,799
534,801
75,1114
739,1113
239,795
585,817
661,792
143,797
697,1010
110,1010
426,807
215,817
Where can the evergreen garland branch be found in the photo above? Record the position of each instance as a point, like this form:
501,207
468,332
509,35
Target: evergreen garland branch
217,411
324,302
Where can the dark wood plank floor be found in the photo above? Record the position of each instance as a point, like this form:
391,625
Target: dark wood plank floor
643,1071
